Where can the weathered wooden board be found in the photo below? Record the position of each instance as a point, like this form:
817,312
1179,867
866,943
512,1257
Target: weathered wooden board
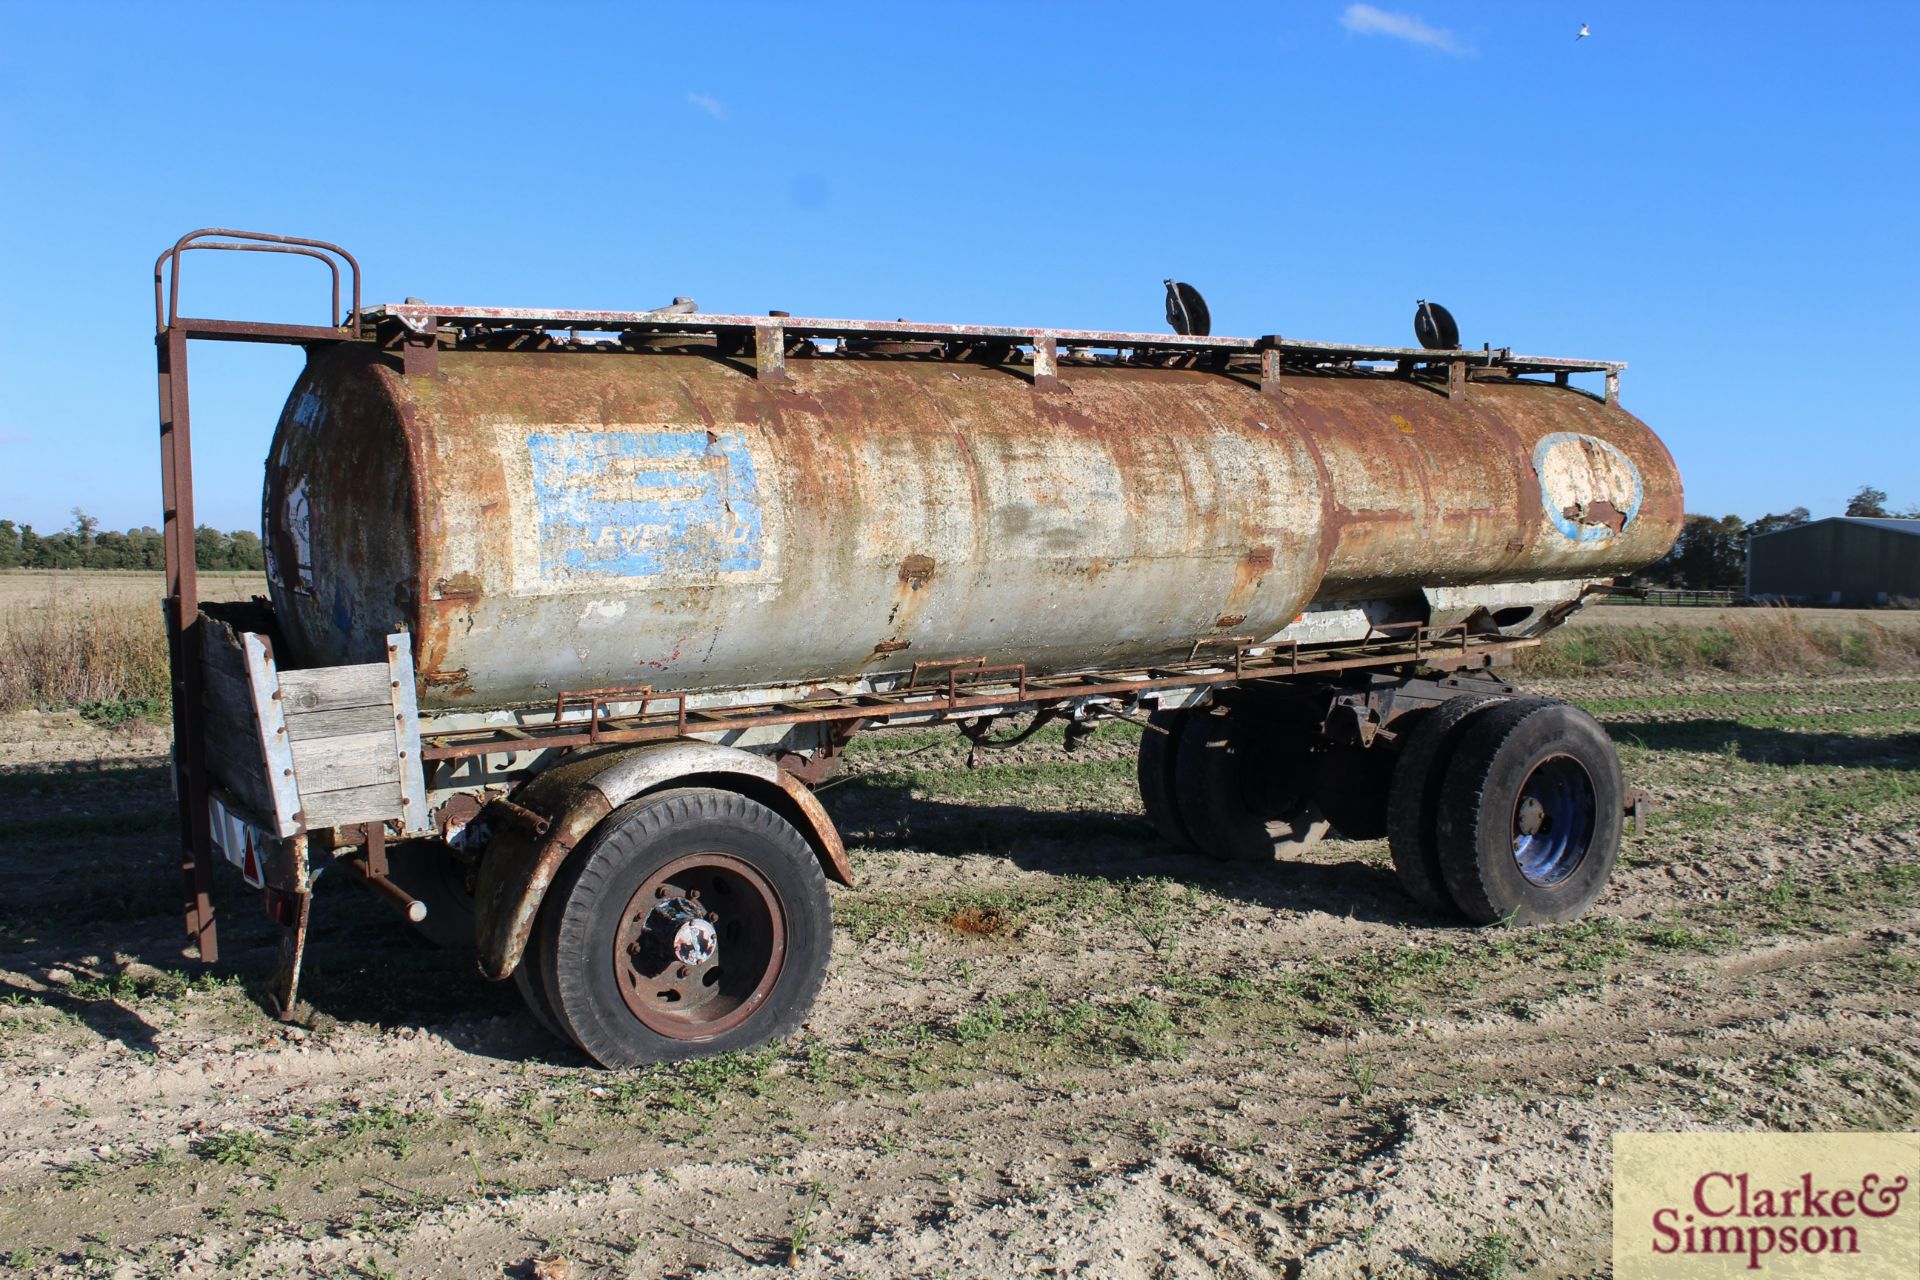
233,759
315,748
356,804
226,694
303,725
332,688
350,760
234,755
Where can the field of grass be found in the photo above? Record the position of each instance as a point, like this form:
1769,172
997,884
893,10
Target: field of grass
1049,1044
90,639
1755,641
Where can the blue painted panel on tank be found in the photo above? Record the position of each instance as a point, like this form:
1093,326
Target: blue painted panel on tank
644,504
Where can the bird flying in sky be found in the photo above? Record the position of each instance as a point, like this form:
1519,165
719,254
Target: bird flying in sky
1583,33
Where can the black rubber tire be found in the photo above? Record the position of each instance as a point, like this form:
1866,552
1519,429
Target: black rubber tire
1238,772
584,906
1351,785
1159,746
1413,799
1492,761
533,976
427,870
532,979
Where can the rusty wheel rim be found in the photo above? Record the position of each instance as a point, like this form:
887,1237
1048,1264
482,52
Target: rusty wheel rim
657,958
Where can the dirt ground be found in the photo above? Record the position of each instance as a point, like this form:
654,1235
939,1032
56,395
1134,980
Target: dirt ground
1047,1045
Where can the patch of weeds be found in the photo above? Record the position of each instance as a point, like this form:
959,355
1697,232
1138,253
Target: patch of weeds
25,1258
1785,899
1142,1028
382,1118
1680,937
1591,944
688,1087
114,712
236,1146
1492,1257
76,1176
166,985
1377,985
980,1024
1365,1076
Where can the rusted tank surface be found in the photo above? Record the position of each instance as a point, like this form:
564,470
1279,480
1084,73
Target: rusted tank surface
552,521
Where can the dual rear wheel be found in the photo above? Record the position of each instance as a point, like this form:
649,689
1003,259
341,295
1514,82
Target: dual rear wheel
1494,808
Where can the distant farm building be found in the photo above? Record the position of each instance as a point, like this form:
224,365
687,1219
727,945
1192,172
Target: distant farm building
1850,560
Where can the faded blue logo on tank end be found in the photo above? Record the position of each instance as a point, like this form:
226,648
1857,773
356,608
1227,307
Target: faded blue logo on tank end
1586,484
643,504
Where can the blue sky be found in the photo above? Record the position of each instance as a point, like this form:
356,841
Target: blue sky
1723,195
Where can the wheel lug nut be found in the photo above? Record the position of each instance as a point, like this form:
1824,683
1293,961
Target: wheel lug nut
682,972
661,892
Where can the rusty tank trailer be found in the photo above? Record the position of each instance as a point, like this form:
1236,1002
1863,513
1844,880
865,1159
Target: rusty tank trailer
571,610
559,519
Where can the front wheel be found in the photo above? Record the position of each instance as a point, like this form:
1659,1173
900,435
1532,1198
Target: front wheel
688,924
1530,814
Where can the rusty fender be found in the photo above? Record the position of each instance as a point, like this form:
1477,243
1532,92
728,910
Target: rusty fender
555,811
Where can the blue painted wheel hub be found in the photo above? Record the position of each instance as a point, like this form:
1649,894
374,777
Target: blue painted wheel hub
1553,820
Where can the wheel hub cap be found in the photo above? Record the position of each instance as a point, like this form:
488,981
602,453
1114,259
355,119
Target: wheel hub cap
700,945
1554,820
680,929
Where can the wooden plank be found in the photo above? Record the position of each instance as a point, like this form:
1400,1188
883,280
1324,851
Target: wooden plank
224,660
264,681
220,648
236,725
406,736
227,694
233,758
338,764
332,688
355,804
304,725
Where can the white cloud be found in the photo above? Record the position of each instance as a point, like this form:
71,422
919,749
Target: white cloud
1365,20
718,109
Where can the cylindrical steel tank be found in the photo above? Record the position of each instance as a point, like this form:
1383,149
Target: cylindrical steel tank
548,521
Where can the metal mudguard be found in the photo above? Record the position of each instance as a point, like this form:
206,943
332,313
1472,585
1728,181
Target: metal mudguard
553,812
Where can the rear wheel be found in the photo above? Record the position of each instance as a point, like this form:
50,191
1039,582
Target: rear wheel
1159,747
1530,817
1413,800
689,924
530,980
1241,780
1351,785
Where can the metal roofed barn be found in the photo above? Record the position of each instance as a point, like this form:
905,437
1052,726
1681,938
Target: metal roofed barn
1842,560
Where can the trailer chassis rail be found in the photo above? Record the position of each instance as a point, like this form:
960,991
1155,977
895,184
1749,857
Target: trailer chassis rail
968,687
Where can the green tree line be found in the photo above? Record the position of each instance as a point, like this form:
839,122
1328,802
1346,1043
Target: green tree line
1711,552
87,546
